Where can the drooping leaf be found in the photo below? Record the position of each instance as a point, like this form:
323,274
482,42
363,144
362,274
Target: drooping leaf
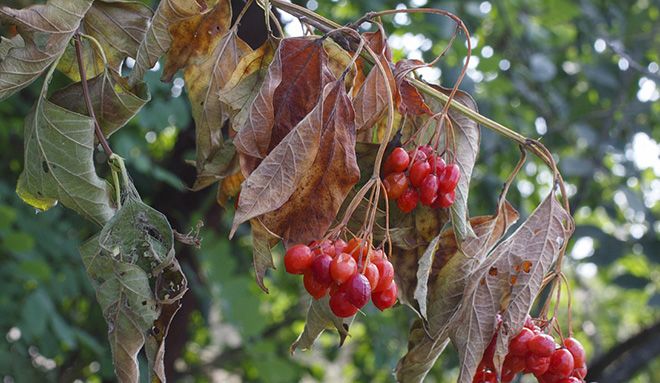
155,343
339,61
113,101
319,319
412,102
46,30
119,26
322,189
157,39
59,164
262,259
423,272
500,284
220,163
292,87
449,274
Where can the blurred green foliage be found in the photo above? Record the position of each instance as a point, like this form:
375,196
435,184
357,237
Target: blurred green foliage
582,76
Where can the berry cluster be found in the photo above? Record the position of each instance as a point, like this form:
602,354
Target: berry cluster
351,272
419,176
535,352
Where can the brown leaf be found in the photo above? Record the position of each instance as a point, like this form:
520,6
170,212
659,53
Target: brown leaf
322,189
293,85
412,101
155,341
262,259
320,318
539,241
46,30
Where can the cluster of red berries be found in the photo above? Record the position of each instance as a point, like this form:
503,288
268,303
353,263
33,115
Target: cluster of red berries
351,272
535,352
419,176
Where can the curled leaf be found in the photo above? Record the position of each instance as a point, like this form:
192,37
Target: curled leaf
319,319
262,259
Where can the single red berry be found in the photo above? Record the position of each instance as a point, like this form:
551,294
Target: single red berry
340,305
340,246
437,164
386,298
417,155
518,345
485,376
358,248
372,274
542,345
385,274
418,172
548,377
377,255
562,363
580,371
397,161
342,267
395,184
536,364
444,200
316,289
428,191
515,363
298,259
408,200
321,269
576,349
449,178
358,290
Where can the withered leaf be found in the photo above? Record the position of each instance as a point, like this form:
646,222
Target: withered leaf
412,101
46,30
538,240
320,318
262,259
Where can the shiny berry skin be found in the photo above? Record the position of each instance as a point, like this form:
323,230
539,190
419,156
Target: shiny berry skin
323,247
536,364
428,191
340,246
576,349
518,345
340,305
580,372
386,298
485,376
561,363
358,248
342,268
417,155
372,274
408,200
377,255
397,161
358,290
418,172
316,289
444,200
548,377
385,274
321,269
449,178
395,184
426,149
438,165
514,363
298,259
542,345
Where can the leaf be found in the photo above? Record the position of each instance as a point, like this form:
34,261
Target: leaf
412,102
320,318
157,40
322,189
46,30
59,164
113,101
292,87
262,259
119,26
221,163
490,289
423,272
449,274
155,343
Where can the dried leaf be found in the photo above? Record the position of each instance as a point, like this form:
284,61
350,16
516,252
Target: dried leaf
490,288
262,242
46,30
221,163
155,342
339,61
423,272
320,318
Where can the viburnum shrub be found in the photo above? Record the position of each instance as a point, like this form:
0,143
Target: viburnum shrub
349,158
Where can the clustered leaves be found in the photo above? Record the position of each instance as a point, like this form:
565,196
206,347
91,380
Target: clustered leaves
296,131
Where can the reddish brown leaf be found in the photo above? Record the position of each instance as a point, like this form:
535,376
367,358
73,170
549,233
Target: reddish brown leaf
412,101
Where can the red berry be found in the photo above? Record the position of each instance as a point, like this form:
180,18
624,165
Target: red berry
572,379
485,376
548,377
449,178
408,200
536,364
489,353
562,363
437,164
426,149
358,290
385,274
340,305
397,161
372,274
340,246
418,172
342,267
358,248
518,345
428,191
576,349
444,200
323,247
580,372
385,299
298,259
321,269
377,255
316,289
417,155
542,345
514,363
395,184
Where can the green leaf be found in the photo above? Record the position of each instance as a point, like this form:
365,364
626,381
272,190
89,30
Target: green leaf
262,259
46,30
320,318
